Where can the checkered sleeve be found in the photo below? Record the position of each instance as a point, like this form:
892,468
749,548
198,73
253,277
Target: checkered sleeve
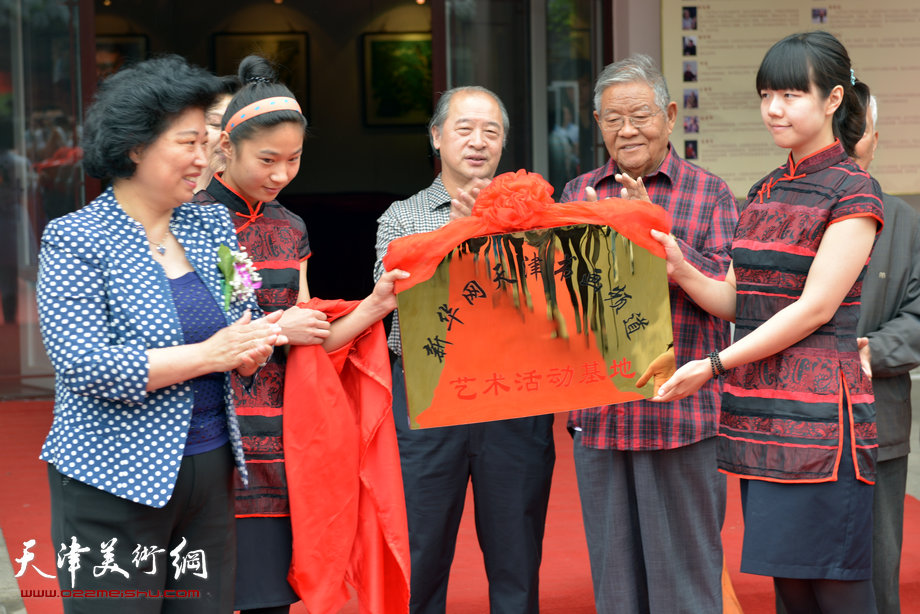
425,211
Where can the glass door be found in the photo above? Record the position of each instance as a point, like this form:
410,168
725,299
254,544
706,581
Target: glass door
487,44
40,172
571,56
541,58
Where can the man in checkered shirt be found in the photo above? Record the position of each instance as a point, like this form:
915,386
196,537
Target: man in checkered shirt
652,499
510,462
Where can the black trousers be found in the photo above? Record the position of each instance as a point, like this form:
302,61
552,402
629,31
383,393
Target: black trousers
510,464
176,559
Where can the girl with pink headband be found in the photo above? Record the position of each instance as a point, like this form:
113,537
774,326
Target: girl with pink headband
262,141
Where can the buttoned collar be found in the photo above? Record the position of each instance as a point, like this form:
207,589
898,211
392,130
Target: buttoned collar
817,161
436,195
234,201
668,170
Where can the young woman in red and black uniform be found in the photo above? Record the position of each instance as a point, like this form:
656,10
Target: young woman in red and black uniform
798,422
262,141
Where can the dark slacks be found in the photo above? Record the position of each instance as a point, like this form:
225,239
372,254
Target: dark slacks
653,523
176,559
888,533
510,464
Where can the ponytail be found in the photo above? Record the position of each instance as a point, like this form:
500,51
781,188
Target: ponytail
259,83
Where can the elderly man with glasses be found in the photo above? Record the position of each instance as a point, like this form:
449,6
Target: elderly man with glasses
652,499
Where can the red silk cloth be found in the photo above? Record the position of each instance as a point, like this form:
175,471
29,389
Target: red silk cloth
348,508
516,202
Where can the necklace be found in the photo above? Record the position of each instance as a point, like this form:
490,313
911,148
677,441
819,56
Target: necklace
161,246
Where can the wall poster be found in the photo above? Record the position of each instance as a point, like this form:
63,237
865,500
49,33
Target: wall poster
710,54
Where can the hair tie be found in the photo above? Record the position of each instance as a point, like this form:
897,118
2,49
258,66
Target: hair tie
852,77
259,80
266,105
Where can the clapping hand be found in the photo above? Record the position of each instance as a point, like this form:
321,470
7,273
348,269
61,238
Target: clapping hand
462,206
633,189
246,344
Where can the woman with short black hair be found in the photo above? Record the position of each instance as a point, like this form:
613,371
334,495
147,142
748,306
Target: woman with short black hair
142,325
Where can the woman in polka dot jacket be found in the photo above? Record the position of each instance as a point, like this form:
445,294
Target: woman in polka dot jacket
144,440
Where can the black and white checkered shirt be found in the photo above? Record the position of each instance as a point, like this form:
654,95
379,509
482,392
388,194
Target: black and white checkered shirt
423,212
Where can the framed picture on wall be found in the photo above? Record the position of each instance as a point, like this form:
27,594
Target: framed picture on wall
114,51
397,78
288,51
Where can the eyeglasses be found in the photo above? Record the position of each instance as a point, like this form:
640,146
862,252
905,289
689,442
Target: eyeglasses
615,123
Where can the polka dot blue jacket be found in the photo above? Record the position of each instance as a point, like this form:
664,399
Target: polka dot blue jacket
102,302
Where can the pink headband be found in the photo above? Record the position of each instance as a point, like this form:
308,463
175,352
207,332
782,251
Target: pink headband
267,105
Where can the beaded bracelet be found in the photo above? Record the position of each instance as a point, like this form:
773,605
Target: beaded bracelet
716,363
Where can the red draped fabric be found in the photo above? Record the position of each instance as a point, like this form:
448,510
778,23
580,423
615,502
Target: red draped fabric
348,511
516,202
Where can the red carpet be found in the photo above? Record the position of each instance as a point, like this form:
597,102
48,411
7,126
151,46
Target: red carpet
24,497
565,574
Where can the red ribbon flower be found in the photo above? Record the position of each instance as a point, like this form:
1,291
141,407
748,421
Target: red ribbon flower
515,202
513,199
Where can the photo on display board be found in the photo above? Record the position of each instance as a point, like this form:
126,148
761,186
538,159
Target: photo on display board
688,18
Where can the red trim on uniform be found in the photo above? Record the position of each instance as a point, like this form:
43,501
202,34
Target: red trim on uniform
841,391
878,227
269,412
745,476
851,174
794,165
278,264
778,444
852,425
254,214
857,215
783,247
864,398
791,297
860,195
778,394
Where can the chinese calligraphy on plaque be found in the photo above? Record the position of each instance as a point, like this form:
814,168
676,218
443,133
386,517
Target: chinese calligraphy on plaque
533,322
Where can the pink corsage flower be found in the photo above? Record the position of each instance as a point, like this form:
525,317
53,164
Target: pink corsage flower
240,276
